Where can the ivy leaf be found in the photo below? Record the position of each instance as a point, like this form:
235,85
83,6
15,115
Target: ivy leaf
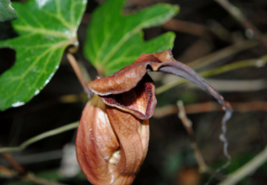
7,13
46,28
115,40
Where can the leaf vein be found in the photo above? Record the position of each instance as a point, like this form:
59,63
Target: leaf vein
42,31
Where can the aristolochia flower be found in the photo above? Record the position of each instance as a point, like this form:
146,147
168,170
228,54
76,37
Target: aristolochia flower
113,134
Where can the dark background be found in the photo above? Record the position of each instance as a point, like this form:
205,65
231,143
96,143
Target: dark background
170,158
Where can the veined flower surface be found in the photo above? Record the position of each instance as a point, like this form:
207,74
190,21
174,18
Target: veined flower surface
113,134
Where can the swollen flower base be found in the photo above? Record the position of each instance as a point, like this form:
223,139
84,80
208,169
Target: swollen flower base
113,134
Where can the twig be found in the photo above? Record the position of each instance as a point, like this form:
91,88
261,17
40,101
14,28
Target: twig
16,165
29,177
220,31
259,62
241,18
188,126
198,49
187,27
221,54
190,109
40,137
33,178
6,172
247,169
176,25
210,107
79,74
37,157
84,71
237,85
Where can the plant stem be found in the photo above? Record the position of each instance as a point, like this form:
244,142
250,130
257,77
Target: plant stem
221,54
33,178
28,177
40,137
188,27
79,74
260,62
16,165
188,126
210,107
5,172
237,65
247,169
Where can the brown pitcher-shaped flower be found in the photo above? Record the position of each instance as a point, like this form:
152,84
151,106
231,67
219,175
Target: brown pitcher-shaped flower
113,134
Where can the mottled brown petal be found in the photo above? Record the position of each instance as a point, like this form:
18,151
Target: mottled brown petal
139,101
130,100
125,79
128,77
110,144
96,143
133,135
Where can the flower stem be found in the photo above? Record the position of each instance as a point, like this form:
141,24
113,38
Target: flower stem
79,74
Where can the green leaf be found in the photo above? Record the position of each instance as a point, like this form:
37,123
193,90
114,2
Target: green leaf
7,13
115,40
46,28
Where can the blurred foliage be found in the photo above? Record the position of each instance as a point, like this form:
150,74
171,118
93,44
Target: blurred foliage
7,12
